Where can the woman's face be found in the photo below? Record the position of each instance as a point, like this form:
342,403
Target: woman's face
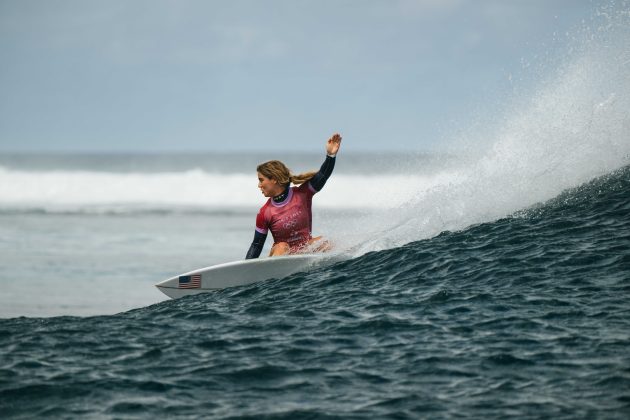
269,187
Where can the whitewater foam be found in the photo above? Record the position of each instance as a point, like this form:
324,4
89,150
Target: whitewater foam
571,127
84,191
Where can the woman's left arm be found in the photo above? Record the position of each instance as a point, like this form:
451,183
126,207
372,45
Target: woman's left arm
320,178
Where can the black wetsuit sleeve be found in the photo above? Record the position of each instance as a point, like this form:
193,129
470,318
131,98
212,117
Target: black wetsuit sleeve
257,245
320,178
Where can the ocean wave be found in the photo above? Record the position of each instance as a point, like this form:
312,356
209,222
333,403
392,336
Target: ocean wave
502,317
55,191
113,210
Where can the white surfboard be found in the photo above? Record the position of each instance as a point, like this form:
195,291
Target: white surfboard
240,273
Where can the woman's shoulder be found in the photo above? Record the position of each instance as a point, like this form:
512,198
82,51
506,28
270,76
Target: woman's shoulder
265,206
305,188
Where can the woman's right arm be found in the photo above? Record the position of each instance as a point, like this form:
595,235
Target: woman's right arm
257,245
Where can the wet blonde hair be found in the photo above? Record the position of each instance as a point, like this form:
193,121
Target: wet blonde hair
274,169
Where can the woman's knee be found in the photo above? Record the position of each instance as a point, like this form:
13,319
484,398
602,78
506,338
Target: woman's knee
281,248
319,244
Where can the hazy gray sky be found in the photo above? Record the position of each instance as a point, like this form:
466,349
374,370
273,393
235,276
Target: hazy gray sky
161,75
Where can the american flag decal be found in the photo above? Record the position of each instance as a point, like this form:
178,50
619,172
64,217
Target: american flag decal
190,282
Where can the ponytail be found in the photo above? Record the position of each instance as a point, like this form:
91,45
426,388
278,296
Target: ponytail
302,178
274,169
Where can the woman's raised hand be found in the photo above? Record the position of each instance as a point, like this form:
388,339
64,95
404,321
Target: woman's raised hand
332,146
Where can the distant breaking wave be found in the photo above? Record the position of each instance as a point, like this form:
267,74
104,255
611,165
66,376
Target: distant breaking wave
63,191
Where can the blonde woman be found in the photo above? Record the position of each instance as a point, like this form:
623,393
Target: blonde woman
287,213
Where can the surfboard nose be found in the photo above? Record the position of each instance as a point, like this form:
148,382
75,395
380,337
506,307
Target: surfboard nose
182,285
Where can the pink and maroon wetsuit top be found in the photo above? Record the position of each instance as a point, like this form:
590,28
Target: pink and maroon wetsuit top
290,220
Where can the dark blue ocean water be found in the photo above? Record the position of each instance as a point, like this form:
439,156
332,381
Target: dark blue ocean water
526,317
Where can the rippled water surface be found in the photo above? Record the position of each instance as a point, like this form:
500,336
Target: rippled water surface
528,316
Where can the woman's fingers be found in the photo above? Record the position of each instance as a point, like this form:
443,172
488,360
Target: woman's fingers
333,143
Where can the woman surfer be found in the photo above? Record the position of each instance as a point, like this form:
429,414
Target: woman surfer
287,213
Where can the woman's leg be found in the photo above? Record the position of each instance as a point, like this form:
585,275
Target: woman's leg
318,244
280,248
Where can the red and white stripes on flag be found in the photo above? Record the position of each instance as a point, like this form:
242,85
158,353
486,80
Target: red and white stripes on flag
190,282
